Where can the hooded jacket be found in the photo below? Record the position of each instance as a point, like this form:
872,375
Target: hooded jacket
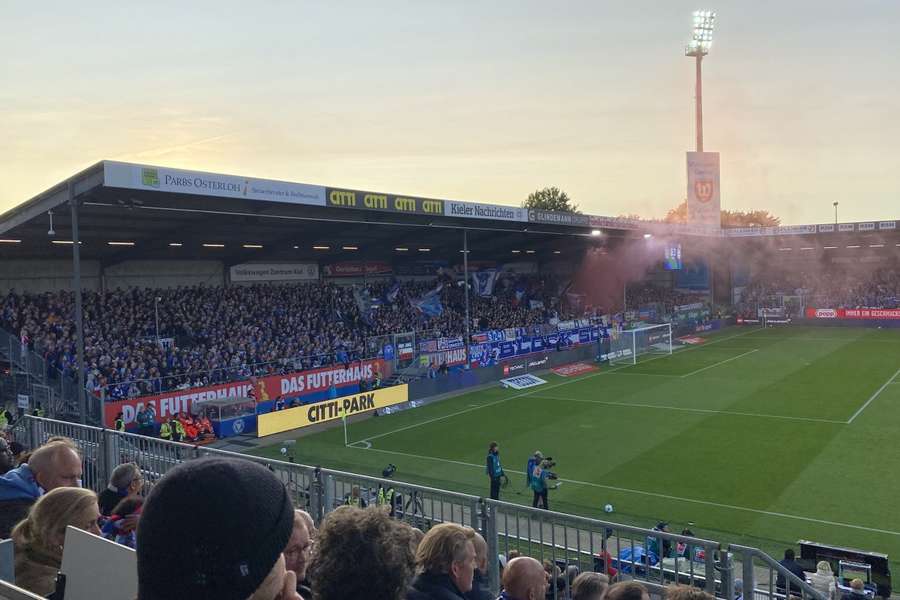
18,491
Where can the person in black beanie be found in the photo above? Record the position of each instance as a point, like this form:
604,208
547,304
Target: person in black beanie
240,518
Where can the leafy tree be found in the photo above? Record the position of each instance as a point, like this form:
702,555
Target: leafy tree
730,218
550,198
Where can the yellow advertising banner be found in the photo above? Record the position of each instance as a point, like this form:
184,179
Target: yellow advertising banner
329,410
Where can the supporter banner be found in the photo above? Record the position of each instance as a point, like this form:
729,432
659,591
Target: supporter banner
474,210
873,314
703,201
558,218
451,358
275,272
163,179
496,348
322,412
263,389
574,369
383,202
357,268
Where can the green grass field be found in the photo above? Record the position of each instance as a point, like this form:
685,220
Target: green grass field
757,436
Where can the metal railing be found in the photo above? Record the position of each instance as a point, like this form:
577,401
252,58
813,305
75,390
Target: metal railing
564,540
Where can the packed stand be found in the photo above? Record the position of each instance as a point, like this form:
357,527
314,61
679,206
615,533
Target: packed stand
644,294
218,334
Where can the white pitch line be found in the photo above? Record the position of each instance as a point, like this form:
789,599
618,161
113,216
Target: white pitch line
657,495
721,362
696,410
556,385
875,395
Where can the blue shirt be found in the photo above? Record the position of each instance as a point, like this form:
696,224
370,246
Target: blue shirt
493,468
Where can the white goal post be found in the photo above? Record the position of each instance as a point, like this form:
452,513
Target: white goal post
627,345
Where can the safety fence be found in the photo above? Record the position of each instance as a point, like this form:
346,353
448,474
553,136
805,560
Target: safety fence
566,541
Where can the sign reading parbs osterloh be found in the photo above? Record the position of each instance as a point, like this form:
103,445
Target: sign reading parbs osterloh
410,205
329,410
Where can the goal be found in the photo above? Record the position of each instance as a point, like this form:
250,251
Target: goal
628,345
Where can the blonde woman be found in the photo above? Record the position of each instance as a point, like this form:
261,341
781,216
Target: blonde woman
824,581
39,538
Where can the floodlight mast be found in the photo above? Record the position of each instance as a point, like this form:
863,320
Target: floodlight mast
701,40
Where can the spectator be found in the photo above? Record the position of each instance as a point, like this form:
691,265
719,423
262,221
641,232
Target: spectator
145,418
480,585
590,586
738,589
126,480
308,521
7,459
524,578
627,590
296,554
40,537
661,547
381,549
51,466
446,564
823,580
686,592
794,567
121,527
215,528
857,591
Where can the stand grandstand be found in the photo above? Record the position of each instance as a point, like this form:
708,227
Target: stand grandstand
194,285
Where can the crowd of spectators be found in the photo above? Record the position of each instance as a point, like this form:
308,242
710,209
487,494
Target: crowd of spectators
839,287
209,335
644,294
274,551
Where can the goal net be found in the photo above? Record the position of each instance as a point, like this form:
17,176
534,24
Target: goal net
628,345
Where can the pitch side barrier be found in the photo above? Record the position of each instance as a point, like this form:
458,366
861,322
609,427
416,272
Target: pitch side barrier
589,544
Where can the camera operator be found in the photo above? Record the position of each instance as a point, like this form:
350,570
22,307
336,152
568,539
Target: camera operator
539,478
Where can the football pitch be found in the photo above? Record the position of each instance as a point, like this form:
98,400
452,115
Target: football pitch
756,436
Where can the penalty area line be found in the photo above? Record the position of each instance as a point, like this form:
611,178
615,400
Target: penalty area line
875,395
721,362
758,511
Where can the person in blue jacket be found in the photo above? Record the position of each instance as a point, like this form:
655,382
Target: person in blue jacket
494,469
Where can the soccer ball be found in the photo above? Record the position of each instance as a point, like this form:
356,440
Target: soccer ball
608,508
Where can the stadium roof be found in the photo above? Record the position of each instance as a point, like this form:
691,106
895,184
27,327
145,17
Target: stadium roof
131,212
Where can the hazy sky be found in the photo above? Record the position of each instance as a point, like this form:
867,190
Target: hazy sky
466,100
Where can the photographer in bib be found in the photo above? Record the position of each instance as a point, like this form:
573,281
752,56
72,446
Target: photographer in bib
540,476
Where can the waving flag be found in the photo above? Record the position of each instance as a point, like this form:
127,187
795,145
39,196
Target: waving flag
430,304
483,281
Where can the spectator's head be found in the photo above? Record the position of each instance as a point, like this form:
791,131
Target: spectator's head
446,550
7,459
493,448
56,464
858,586
126,479
296,555
481,550
308,521
789,554
361,553
524,578
44,529
824,567
686,592
240,520
738,588
590,586
627,590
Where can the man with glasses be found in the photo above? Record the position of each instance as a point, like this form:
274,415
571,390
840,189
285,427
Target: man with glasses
126,480
296,554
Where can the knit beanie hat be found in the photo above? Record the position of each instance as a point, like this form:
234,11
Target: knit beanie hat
212,528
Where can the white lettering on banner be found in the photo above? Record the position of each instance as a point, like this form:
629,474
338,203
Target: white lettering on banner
867,226
275,272
520,382
826,313
475,210
845,227
887,225
826,228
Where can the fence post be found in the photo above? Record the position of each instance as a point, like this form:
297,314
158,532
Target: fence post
711,571
489,530
748,583
726,568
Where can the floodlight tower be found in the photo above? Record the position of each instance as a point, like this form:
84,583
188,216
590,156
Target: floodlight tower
701,40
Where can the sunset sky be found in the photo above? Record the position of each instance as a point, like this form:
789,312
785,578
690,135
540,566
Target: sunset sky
482,101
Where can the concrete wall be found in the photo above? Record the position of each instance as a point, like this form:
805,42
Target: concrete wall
38,276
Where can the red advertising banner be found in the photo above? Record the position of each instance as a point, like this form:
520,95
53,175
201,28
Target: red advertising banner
356,268
872,314
263,389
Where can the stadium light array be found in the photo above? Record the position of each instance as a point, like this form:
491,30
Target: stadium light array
213,245
647,236
595,232
120,243
321,247
349,247
401,249
10,241
701,38
175,244
424,249
253,246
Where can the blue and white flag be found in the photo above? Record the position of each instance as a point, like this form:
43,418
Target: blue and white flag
430,304
483,281
393,292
